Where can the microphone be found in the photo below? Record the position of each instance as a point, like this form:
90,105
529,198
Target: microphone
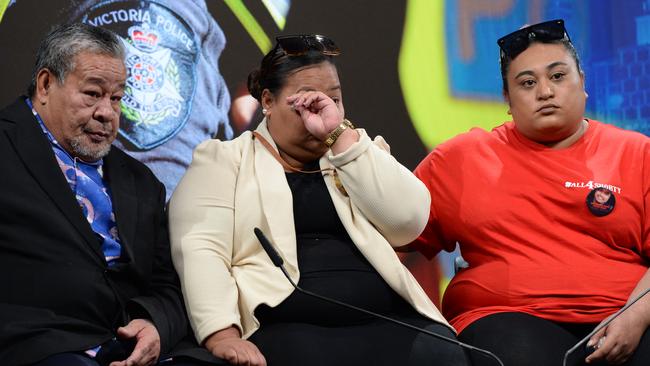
601,326
278,262
270,250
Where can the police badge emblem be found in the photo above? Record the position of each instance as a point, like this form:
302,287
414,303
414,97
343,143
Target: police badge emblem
161,62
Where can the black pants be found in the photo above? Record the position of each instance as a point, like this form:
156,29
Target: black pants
522,339
378,343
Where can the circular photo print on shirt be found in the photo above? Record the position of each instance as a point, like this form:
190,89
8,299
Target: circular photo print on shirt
601,201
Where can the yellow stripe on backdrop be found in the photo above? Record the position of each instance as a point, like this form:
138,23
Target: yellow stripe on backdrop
3,6
435,113
251,25
277,15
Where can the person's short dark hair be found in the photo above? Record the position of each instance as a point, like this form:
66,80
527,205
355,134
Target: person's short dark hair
59,48
279,63
529,35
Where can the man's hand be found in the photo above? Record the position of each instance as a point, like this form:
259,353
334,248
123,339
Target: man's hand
147,347
227,344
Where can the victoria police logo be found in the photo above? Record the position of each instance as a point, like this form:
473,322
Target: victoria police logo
161,64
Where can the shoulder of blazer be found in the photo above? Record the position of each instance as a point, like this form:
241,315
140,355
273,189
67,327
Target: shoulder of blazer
14,113
137,172
230,150
118,156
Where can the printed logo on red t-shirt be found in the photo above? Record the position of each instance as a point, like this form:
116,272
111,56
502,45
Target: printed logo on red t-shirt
591,185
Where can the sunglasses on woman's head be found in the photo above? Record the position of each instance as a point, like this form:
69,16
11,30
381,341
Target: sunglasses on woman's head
299,45
518,41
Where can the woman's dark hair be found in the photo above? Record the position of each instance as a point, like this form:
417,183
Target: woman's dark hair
277,66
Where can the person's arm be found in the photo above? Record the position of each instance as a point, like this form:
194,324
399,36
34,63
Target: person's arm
162,304
387,193
433,172
618,341
228,345
201,215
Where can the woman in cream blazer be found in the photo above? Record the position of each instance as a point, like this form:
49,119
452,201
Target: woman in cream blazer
234,186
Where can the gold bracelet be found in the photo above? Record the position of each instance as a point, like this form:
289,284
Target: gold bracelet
331,137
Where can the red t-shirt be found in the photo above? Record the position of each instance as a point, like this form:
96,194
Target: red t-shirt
519,212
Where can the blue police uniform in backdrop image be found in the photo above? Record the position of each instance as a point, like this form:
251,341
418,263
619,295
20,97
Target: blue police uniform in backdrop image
175,96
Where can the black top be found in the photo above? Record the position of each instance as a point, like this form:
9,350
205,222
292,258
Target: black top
330,264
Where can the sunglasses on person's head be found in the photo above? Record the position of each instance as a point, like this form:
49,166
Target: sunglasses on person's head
518,41
299,45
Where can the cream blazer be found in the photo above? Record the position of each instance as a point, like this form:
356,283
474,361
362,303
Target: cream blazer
234,186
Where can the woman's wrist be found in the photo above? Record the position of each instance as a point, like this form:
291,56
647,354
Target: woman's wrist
334,134
220,335
345,140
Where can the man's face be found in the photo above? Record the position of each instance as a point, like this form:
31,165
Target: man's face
83,113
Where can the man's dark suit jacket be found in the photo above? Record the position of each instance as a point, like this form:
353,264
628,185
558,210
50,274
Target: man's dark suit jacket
57,293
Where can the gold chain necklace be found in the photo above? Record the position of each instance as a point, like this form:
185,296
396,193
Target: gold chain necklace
289,167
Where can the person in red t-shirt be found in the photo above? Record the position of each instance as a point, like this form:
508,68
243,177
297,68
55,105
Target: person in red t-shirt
551,211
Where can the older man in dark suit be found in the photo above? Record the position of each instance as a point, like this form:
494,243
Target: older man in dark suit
84,252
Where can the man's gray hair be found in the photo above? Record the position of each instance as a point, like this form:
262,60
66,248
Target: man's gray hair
60,47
